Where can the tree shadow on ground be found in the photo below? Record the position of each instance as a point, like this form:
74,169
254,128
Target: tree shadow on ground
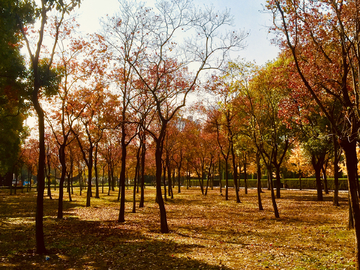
78,244
74,243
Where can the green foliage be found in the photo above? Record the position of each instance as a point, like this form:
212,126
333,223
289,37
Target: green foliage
50,78
12,89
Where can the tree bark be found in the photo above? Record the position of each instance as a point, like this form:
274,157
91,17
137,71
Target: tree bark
349,148
142,174
122,177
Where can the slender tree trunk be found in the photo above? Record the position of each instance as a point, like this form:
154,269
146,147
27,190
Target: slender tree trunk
179,179
102,180
220,175
90,165
336,172
62,180
97,194
136,178
245,176
278,181
235,176
55,179
122,177
164,180
226,181
326,189
318,184
142,175
259,181
200,178
170,193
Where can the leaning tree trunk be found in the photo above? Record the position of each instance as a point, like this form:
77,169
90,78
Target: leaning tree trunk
158,153
273,200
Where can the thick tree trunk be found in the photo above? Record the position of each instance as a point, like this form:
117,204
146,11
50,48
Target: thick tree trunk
39,225
350,156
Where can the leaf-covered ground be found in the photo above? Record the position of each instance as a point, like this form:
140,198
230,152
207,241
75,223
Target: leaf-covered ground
206,232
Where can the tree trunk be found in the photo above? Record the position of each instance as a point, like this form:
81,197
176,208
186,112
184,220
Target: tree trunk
90,165
336,172
326,189
317,165
158,154
220,176
179,179
245,176
235,174
258,174
350,157
226,181
97,193
278,181
136,178
122,177
164,181
62,180
273,200
39,226
142,175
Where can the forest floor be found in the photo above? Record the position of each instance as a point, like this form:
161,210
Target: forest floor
206,232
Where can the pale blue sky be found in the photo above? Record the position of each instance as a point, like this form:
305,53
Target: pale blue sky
248,15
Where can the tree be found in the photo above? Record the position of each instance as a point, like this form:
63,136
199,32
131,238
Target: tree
323,39
226,95
42,78
166,78
63,114
12,89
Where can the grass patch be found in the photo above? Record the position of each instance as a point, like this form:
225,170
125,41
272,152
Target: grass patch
207,232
